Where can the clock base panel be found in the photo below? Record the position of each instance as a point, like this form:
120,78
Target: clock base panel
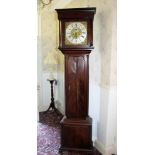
76,134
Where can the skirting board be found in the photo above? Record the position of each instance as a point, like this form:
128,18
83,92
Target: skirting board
60,107
61,110
105,150
42,108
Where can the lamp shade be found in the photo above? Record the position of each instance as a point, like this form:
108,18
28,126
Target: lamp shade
51,59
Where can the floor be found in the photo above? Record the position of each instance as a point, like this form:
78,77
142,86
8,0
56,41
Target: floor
48,137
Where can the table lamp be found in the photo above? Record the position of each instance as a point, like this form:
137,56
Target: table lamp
51,61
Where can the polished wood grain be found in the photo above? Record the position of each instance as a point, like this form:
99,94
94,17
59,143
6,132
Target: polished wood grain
76,85
76,134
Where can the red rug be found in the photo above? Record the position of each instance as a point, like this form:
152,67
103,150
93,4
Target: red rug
48,138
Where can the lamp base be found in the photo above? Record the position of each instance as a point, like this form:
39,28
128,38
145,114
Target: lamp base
52,104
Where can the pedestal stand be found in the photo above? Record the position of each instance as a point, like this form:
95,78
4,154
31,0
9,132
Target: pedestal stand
52,104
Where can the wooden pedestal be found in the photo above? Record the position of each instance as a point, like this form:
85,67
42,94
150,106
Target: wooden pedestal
76,135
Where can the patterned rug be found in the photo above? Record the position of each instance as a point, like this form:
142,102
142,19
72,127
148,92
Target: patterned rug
48,138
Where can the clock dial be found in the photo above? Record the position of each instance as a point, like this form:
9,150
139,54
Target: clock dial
76,33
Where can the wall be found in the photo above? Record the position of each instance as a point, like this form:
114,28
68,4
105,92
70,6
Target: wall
46,47
102,106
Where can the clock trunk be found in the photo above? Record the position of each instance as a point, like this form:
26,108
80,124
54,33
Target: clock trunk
76,85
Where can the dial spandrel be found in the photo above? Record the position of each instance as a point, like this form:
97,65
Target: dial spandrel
75,33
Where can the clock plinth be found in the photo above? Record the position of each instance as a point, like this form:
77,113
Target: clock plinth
76,43
76,134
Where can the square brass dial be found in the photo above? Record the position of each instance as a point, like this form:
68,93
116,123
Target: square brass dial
76,33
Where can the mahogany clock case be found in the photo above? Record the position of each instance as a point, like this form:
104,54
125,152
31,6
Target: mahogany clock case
76,126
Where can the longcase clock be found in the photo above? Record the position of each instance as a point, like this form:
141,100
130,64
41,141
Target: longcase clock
76,43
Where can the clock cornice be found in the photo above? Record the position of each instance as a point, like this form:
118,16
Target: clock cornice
78,13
